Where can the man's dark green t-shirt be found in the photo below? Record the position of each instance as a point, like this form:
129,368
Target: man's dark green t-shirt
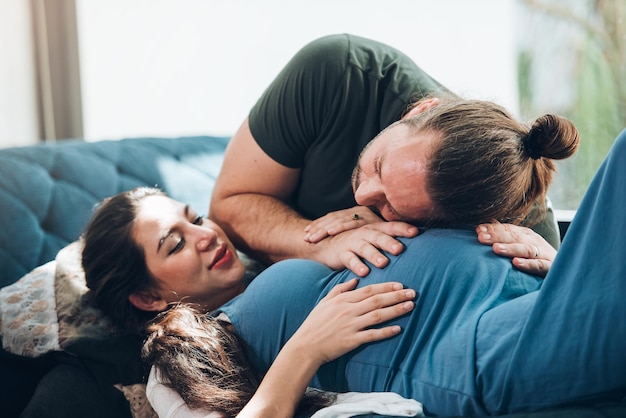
333,97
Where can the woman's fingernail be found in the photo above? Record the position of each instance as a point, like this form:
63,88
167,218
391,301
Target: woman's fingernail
482,228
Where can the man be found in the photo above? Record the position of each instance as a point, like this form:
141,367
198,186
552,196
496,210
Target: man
292,159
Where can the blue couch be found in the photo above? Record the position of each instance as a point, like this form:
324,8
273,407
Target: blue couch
47,194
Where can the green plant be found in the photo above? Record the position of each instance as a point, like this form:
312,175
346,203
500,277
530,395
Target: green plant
594,34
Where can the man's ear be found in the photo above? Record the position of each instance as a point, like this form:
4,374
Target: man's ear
147,301
422,106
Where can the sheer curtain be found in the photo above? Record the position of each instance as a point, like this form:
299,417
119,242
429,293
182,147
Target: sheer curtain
57,69
39,75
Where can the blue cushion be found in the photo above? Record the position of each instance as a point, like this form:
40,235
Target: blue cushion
48,191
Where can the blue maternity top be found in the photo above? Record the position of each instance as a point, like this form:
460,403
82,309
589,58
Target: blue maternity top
433,359
483,338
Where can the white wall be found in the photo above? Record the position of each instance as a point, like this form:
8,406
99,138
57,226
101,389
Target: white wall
18,106
185,67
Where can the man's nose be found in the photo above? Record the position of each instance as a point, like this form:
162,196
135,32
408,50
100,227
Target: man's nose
369,193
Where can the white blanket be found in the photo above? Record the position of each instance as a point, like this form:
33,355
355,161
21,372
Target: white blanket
168,404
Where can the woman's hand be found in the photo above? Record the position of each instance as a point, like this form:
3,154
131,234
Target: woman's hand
528,251
339,323
337,222
343,320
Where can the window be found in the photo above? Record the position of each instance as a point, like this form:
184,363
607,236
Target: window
572,61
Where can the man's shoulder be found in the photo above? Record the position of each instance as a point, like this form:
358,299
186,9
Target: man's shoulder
326,48
350,48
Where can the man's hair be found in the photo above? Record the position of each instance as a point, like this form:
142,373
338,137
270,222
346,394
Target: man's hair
486,165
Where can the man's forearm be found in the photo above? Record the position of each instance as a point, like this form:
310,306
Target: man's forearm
263,227
270,231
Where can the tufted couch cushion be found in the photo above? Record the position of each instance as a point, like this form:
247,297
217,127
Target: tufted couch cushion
48,191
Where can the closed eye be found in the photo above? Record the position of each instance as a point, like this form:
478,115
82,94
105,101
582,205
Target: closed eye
179,246
377,165
181,243
392,210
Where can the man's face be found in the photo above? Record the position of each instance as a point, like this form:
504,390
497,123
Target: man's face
390,175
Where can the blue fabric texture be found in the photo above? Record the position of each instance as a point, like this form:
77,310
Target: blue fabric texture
48,191
483,339
567,343
433,359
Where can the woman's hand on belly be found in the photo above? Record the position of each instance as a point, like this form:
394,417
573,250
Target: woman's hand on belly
343,319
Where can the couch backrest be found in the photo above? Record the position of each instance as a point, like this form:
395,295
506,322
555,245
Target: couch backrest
48,191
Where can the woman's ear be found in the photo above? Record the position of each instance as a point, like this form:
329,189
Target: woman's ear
147,301
422,106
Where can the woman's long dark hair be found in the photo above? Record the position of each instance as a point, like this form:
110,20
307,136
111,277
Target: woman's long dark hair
114,265
207,363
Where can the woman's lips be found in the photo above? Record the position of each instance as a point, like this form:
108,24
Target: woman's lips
223,256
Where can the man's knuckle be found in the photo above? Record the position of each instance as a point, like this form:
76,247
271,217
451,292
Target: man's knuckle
362,247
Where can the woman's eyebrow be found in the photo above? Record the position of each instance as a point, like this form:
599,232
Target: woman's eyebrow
163,238
168,232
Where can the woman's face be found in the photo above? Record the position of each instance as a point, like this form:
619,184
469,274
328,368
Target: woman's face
191,257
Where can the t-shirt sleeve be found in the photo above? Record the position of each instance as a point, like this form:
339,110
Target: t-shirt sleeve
292,109
337,88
